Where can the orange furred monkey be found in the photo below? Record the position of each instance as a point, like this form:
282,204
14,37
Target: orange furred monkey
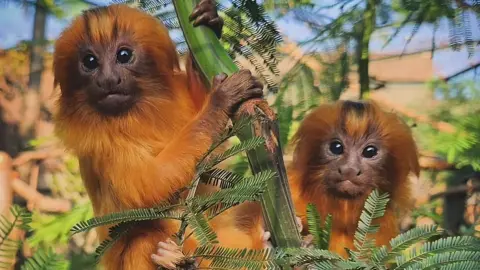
342,152
138,124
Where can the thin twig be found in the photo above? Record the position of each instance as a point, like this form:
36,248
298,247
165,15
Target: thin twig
28,156
36,200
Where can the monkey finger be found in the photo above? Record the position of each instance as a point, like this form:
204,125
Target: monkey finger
216,22
162,261
199,9
256,92
245,71
168,245
218,79
298,220
204,19
266,239
257,84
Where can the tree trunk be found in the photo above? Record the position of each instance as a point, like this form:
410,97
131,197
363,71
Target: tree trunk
37,50
6,193
368,26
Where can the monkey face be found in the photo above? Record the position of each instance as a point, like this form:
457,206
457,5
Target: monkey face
108,82
349,167
112,58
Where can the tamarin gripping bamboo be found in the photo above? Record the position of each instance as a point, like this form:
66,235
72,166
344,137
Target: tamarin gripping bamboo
138,124
342,152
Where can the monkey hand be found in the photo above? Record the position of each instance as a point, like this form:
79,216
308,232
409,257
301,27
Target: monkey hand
205,13
307,241
265,235
298,220
230,92
170,256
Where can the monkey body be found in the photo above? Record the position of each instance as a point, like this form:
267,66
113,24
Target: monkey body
342,152
139,125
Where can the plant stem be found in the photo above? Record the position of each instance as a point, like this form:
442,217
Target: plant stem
212,59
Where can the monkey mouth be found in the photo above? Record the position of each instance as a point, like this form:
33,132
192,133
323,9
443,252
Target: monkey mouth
348,188
115,98
115,102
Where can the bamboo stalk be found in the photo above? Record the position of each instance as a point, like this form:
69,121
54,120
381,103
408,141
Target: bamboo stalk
212,59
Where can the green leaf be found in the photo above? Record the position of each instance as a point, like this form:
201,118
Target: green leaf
443,245
226,258
374,207
444,259
45,260
247,190
202,230
161,212
321,235
302,256
221,178
20,218
114,234
403,241
236,149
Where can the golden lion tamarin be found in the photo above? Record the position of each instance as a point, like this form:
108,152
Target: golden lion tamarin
342,151
138,124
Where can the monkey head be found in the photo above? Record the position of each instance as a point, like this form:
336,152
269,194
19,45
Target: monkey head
112,57
349,148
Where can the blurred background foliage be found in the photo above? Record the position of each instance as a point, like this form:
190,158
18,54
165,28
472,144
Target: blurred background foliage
344,51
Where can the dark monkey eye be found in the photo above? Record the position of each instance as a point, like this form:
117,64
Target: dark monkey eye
336,148
370,151
90,62
124,55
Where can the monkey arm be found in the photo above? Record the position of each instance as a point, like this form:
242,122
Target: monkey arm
178,160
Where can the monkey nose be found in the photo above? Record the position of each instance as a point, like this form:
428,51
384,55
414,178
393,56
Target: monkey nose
109,82
349,172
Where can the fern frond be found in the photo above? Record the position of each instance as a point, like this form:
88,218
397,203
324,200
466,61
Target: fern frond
321,235
204,164
462,266
404,241
202,230
443,245
114,234
21,219
236,149
221,178
374,207
445,259
303,256
159,212
45,260
249,189
226,258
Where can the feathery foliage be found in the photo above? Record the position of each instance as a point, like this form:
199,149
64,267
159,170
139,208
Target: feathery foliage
45,260
459,15
321,235
458,252
226,258
459,103
374,208
20,218
194,211
248,32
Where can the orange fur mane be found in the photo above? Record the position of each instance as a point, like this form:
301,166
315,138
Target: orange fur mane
121,144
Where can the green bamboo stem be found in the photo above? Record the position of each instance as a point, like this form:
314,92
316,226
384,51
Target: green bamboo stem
212,59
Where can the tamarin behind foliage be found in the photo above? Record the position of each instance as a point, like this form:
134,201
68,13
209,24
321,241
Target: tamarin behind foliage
344,150
138,124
